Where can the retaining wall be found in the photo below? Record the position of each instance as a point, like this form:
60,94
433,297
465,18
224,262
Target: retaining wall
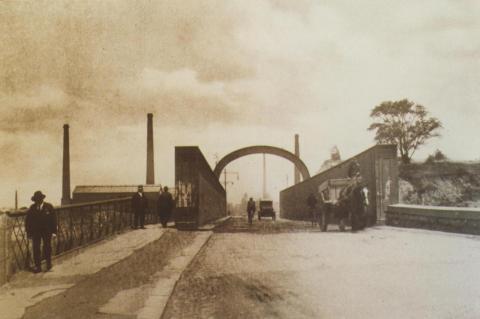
379,170
451,219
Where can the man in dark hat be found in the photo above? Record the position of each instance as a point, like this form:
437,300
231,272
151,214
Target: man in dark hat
354,168
139,207
165,206
41,225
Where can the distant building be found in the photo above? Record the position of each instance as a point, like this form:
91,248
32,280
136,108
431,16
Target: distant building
334,160
91,193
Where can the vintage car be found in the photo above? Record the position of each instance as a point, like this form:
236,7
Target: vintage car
265,209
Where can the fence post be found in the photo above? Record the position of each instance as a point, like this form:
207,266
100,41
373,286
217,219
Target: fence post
4,249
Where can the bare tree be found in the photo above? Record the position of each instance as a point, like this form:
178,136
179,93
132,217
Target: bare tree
404,123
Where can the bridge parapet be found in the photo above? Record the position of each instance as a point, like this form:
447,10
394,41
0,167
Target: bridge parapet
200,196
78,225
379,169
451,219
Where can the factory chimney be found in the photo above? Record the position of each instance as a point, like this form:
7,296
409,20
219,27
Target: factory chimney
150,160
66,199
296,172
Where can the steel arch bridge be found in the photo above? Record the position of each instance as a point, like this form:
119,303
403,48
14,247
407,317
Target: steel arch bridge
262,149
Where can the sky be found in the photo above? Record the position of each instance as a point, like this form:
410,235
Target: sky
223,75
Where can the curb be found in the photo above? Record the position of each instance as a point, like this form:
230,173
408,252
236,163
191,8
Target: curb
160,295
214,224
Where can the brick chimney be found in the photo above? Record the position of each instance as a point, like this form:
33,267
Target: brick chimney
66,199
150,158
296,172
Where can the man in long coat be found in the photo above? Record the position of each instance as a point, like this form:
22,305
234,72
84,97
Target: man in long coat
40,226
251,208
358,202
165,206
139,207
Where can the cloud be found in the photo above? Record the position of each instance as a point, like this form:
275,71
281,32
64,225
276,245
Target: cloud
242,67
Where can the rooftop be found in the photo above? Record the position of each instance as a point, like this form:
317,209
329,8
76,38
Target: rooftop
116,188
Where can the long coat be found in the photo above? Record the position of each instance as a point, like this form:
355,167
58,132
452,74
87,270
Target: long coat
251,206
165,203
43,221
139,203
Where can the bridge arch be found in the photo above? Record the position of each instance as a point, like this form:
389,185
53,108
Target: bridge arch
261,149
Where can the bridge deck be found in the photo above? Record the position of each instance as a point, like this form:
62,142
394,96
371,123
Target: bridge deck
284,270
112,278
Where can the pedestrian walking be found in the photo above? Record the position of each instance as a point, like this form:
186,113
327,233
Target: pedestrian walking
251,208
312,206
165,205
139,207
41,226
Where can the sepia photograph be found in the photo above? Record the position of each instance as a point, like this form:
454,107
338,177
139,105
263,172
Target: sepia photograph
239,159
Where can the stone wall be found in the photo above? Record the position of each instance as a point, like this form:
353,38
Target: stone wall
201,198
379,170
451,219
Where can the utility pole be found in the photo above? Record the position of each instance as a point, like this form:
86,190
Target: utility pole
16,200
264,177
225,181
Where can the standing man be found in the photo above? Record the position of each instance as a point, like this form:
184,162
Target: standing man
251,210
312,204
354,168
139,207
165,205
358,205
41,225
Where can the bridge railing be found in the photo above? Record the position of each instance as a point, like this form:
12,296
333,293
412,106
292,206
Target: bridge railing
78,225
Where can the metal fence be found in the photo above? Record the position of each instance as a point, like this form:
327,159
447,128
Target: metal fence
78,225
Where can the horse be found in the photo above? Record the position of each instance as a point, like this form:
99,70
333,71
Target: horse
349,209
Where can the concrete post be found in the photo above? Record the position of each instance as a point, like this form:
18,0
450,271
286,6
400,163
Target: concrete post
66,199
150,157
4,263
297,153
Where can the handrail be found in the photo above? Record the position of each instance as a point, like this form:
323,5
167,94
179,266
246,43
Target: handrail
79,225
22,212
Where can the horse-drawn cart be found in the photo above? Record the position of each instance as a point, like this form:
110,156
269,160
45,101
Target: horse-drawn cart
345,201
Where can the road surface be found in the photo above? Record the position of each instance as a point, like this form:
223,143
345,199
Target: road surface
290,270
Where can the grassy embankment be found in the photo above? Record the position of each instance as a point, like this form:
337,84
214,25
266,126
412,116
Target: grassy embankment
440,184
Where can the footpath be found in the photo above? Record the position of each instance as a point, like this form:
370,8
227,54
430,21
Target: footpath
131,275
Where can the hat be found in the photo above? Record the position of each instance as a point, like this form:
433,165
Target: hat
38,196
